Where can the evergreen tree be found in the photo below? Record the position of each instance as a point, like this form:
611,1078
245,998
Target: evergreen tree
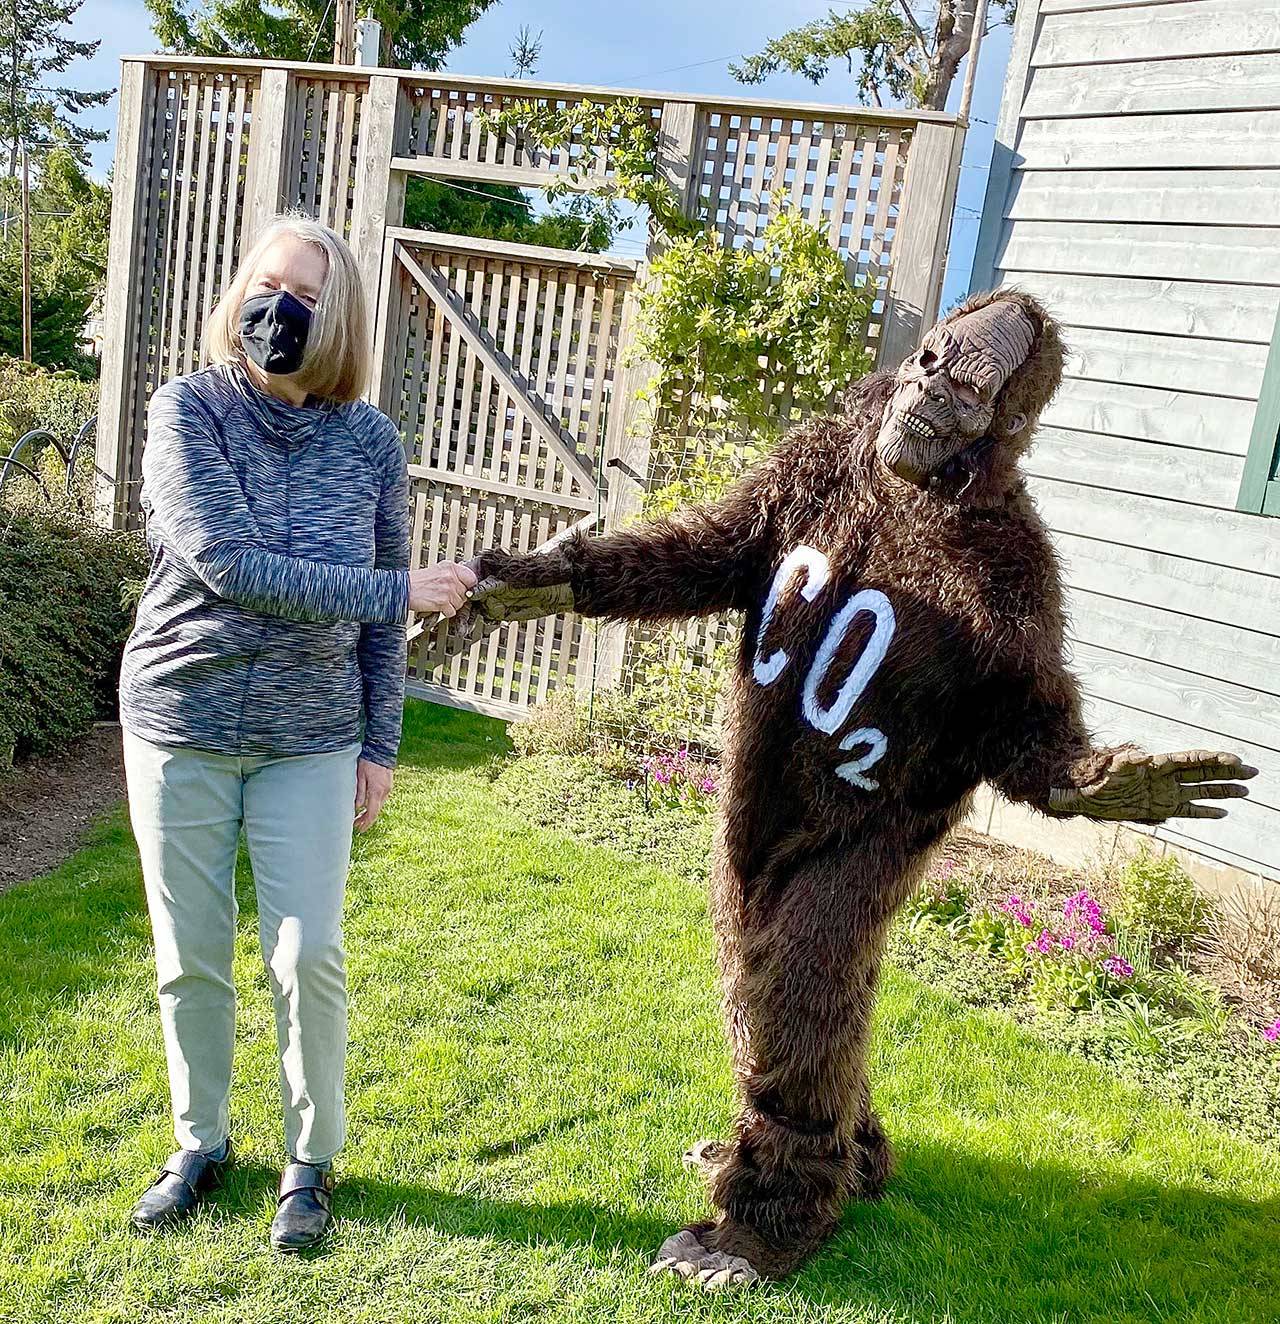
36,50
416,34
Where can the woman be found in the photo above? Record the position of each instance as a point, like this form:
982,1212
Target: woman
262,687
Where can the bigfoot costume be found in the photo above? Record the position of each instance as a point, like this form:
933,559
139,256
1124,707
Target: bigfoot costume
903,643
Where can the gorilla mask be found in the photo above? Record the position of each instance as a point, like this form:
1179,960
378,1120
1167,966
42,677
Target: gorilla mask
947,395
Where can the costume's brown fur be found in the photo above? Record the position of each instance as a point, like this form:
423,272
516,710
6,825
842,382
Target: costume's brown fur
808,869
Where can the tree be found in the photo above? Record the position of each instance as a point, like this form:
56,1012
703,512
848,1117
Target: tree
884,46
525,52
71,217
415,33
501,211
35,49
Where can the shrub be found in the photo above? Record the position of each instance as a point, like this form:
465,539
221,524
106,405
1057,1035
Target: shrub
62,625
33,397
1158,897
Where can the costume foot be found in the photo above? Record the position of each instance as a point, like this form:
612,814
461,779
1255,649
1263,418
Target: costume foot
706,1157
685,1255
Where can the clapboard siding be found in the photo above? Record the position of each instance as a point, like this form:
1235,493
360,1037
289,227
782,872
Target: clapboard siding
1177,418
1243,255
1140,467
1141,629
1145,32
1221,537
1216,82
1199,590
1135,189
1213,367
1238,197
1167,307
1225,138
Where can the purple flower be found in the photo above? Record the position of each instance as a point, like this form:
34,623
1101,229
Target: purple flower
1084,906
1272,1031
1118,966
1043,944
707,786
1067,941
946,868
662,775
1018,908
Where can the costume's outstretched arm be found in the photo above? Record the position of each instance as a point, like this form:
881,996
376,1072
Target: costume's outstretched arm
705,558
1049,762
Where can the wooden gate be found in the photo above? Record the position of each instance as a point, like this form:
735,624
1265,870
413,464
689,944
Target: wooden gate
500,360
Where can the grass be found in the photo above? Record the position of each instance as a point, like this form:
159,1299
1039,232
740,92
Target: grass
535,1039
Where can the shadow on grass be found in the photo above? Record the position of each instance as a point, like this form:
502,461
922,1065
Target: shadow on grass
959,1234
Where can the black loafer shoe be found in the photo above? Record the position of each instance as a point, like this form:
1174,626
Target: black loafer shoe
178,1191
304,1209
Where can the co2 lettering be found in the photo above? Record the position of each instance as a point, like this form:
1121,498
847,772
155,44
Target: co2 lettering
829,718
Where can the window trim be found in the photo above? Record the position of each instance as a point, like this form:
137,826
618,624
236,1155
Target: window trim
1259,491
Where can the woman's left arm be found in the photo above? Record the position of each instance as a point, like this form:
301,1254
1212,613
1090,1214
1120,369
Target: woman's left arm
382,649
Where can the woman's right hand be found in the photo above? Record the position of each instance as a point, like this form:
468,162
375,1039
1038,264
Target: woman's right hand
443,587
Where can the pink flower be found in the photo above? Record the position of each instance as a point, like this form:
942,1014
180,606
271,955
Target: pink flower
1043,944
1272,1031
1084,906
946,868
1118,966
1018,908
1067,941
707,786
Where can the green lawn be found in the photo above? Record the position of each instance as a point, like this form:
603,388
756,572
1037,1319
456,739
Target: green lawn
535,1040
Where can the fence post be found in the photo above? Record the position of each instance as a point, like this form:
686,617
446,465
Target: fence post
268,153
628,444
130,181
920,244
379,194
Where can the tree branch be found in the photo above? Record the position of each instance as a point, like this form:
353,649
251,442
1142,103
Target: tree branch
916,28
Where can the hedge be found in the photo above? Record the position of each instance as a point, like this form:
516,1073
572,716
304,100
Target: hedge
63,623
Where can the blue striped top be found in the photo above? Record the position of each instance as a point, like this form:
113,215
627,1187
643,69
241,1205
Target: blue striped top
273,617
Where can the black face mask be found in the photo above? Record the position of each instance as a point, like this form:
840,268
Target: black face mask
273,331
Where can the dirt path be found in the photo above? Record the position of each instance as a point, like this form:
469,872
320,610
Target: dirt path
47,805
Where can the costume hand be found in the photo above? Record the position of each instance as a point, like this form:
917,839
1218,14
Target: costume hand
373,785
443,587
496,601
1148,788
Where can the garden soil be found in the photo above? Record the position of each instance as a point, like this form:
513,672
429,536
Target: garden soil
47,805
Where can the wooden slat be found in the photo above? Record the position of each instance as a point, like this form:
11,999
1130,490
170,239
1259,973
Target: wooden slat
1194,27
1233,138
1200,533
120,321
1178,418
1230,197
488,248
267,144
1167,307
1218,82
920,244
1190,643
565,447
1200,477
1214,367
1180,252
1200,589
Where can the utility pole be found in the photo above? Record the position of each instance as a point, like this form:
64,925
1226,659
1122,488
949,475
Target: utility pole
26,256
344,32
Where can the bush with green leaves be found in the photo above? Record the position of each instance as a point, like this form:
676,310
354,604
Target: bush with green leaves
1157,896
63,623
33,397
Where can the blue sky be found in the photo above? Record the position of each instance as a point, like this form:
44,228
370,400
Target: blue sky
678,46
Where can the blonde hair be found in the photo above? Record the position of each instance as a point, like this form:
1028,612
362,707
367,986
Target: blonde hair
335,365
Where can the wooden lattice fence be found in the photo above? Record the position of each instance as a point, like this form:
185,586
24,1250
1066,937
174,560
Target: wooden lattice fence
503,363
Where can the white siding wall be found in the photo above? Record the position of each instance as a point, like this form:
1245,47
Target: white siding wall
1135,188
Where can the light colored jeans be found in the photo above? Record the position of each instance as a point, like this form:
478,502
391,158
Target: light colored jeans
187,808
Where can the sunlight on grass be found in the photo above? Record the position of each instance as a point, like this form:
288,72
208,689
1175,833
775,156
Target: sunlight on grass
535,1039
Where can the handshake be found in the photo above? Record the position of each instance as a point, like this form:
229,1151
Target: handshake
475,597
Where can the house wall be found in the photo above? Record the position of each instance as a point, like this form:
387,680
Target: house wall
1135,188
